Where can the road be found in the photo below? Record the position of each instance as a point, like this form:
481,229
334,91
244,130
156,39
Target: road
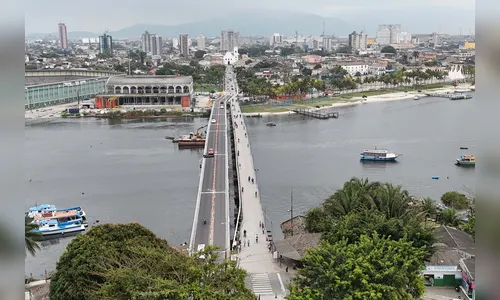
213,206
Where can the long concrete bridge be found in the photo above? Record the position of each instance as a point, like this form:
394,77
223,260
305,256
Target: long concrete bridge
227,137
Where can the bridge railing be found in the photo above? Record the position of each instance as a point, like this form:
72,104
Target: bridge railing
236,229
198,196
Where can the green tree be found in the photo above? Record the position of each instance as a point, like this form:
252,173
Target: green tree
286,51
428,207
373,268
388,49
455,200
127,261
31,237
449,217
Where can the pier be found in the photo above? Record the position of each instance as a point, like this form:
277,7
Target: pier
451,96
317,114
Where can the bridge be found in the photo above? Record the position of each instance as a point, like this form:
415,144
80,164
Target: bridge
250,250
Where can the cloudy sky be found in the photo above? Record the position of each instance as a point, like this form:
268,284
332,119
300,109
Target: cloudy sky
97,15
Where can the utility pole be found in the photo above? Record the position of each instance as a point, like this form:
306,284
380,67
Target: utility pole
78,94
291,210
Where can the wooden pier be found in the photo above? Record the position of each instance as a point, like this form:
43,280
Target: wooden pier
451,96
317,114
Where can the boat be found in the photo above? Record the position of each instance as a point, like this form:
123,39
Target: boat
416,97
59,223
464,148
466,160
378,155
270,124
49,208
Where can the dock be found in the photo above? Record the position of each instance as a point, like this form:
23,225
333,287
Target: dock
317,114
451,96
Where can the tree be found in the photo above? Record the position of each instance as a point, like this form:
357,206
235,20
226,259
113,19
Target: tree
388,49
373,268
31,237
286,51
415,55
344,49
127,261
199,54
455,200
449,217
428,207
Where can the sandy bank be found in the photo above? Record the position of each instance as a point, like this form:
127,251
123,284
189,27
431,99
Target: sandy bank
375,99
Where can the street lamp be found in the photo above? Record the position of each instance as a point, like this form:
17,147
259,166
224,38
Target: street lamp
291,210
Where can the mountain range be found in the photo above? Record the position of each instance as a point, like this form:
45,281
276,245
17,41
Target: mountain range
259,23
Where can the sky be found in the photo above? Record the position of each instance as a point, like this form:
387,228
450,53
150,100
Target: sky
97,15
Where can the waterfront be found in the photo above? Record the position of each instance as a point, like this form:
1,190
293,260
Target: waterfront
128,172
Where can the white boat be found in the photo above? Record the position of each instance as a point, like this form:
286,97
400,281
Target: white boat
416,97
58,223
378,155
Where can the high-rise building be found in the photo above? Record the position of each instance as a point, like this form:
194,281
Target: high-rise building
228,40
183,45
200,41
146,42
63,35
275,40
358,41
404,38
158,49
327,43
151,44
106,44
388,34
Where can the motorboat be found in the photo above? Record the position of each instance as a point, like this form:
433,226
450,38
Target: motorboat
270,124
466,160
59,223
416,97
42,209
378,155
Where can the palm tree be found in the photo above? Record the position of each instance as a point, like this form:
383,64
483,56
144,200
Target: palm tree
415,55
31,237
428,208
393,201
449,217
356,194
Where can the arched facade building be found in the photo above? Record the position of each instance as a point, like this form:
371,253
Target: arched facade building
154,90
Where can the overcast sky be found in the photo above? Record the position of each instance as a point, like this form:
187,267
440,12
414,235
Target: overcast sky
97,15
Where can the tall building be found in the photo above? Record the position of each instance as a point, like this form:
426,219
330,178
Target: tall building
151,44
358,41
183,45
275,40
106,44
200,41
228,40
388,34
63,35
327,43
404,38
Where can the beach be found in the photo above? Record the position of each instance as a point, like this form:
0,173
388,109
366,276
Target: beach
395,96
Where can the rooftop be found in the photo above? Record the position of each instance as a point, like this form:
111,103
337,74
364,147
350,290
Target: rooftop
149,80
456,239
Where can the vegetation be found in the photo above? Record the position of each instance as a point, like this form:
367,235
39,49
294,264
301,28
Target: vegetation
375,239
31,238
212,75
455,200
130,262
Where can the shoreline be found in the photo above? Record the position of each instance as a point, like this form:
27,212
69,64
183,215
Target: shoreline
393,96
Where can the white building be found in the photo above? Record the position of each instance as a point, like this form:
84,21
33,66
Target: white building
276,40
151,44
231,58
327,43
200,41
228,40
388,34
404,38
354,67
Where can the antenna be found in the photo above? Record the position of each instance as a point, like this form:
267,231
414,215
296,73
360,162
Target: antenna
297,37
323,28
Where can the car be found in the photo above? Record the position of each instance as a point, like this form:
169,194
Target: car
210,152
222,107
214,121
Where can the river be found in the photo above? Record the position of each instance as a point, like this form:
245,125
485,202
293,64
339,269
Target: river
126,171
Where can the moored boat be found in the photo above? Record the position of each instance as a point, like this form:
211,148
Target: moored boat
416,97
378,155
466,160
59,222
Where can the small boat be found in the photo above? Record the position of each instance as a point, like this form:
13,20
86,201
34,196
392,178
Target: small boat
466,160
270,124
58,223
378,155
435,177
464,148
416,97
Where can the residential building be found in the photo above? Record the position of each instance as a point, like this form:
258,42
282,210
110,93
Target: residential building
354,67
358,41
200,41
327,43
276,40
312,59
63,36
106,44
435,39
184,45
404,38
151,44
388,34
146,42
228,40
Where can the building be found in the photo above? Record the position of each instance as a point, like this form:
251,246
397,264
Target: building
146,42
184,45
388,34
312,59
153,90
151,44
327,43
468,45
276,40
435,39
358,41
404,38
230,58
106,44
200,41
228,40
355,67
63,36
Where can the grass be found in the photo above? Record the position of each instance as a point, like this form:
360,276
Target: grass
312,103
206,88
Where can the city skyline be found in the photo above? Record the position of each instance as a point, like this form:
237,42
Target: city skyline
40,17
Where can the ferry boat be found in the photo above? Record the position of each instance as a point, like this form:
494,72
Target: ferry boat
466,160
58,223
378,155
49,208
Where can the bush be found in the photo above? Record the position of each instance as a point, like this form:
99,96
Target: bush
455,199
